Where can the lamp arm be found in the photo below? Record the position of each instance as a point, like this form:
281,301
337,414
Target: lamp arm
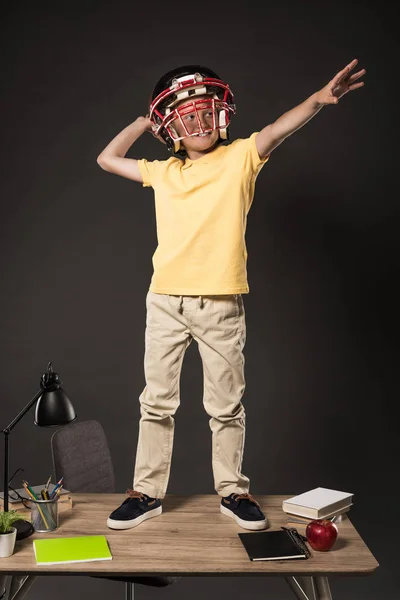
23,411
6,432
5,487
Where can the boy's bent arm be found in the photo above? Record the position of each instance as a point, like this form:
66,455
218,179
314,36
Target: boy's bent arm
125,167
112,158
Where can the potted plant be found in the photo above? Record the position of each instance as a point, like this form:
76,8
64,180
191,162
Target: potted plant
8,533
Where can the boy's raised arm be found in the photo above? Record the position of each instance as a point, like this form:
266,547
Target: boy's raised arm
274,134
112,158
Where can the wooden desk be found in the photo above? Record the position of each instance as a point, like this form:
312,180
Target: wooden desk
191,538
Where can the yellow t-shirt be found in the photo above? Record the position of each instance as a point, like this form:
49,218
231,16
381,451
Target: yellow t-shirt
201,214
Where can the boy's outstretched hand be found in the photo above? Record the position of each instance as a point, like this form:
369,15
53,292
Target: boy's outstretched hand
342,83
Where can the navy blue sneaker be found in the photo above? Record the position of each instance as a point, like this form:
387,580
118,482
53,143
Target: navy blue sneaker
136,508
245,510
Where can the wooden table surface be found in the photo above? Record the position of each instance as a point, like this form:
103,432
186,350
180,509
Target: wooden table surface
191,537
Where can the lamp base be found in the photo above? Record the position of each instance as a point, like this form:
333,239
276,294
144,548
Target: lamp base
24,529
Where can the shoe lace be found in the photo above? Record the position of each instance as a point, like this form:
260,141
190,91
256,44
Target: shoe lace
246,497
134,494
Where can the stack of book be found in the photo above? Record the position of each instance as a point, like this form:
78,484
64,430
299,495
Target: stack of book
318,503
64,500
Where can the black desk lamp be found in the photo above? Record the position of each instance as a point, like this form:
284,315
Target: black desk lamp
53,408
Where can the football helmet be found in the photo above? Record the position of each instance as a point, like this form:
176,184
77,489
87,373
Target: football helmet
188,82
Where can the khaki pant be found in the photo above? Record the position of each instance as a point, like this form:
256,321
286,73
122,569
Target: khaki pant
217,323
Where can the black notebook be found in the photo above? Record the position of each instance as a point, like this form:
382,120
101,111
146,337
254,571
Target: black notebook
274,545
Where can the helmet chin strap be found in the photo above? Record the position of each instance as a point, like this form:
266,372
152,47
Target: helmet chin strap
222,123
177,143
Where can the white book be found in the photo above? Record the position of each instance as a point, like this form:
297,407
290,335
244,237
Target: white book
335,513
317,503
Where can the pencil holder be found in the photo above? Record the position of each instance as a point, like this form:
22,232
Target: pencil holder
44,515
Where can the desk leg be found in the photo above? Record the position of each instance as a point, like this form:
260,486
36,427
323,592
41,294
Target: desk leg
323,589
310,588
297,589
3,586
20,586
129,590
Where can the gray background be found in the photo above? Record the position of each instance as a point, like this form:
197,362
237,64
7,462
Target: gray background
322,236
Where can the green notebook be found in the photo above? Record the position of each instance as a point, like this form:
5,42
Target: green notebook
56,551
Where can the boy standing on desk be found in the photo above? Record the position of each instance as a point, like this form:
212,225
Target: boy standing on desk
203,194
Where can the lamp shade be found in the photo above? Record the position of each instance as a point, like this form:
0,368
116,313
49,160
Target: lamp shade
53,406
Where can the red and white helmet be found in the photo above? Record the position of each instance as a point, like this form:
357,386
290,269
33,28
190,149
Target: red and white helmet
187,82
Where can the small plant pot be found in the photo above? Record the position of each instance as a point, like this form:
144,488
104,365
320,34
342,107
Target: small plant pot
7,543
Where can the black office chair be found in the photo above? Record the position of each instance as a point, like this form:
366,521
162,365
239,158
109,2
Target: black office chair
81,456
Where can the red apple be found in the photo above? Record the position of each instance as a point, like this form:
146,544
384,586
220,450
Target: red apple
321,534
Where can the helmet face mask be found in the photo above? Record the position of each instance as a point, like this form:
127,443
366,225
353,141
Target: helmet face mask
174,102
195,118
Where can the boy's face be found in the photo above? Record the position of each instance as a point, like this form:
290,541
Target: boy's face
206,117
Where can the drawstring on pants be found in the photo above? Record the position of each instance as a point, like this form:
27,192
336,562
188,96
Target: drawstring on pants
180,307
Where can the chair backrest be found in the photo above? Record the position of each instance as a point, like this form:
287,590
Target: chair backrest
82,457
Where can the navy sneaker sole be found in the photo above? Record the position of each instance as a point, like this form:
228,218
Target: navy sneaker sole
252,525
129,523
